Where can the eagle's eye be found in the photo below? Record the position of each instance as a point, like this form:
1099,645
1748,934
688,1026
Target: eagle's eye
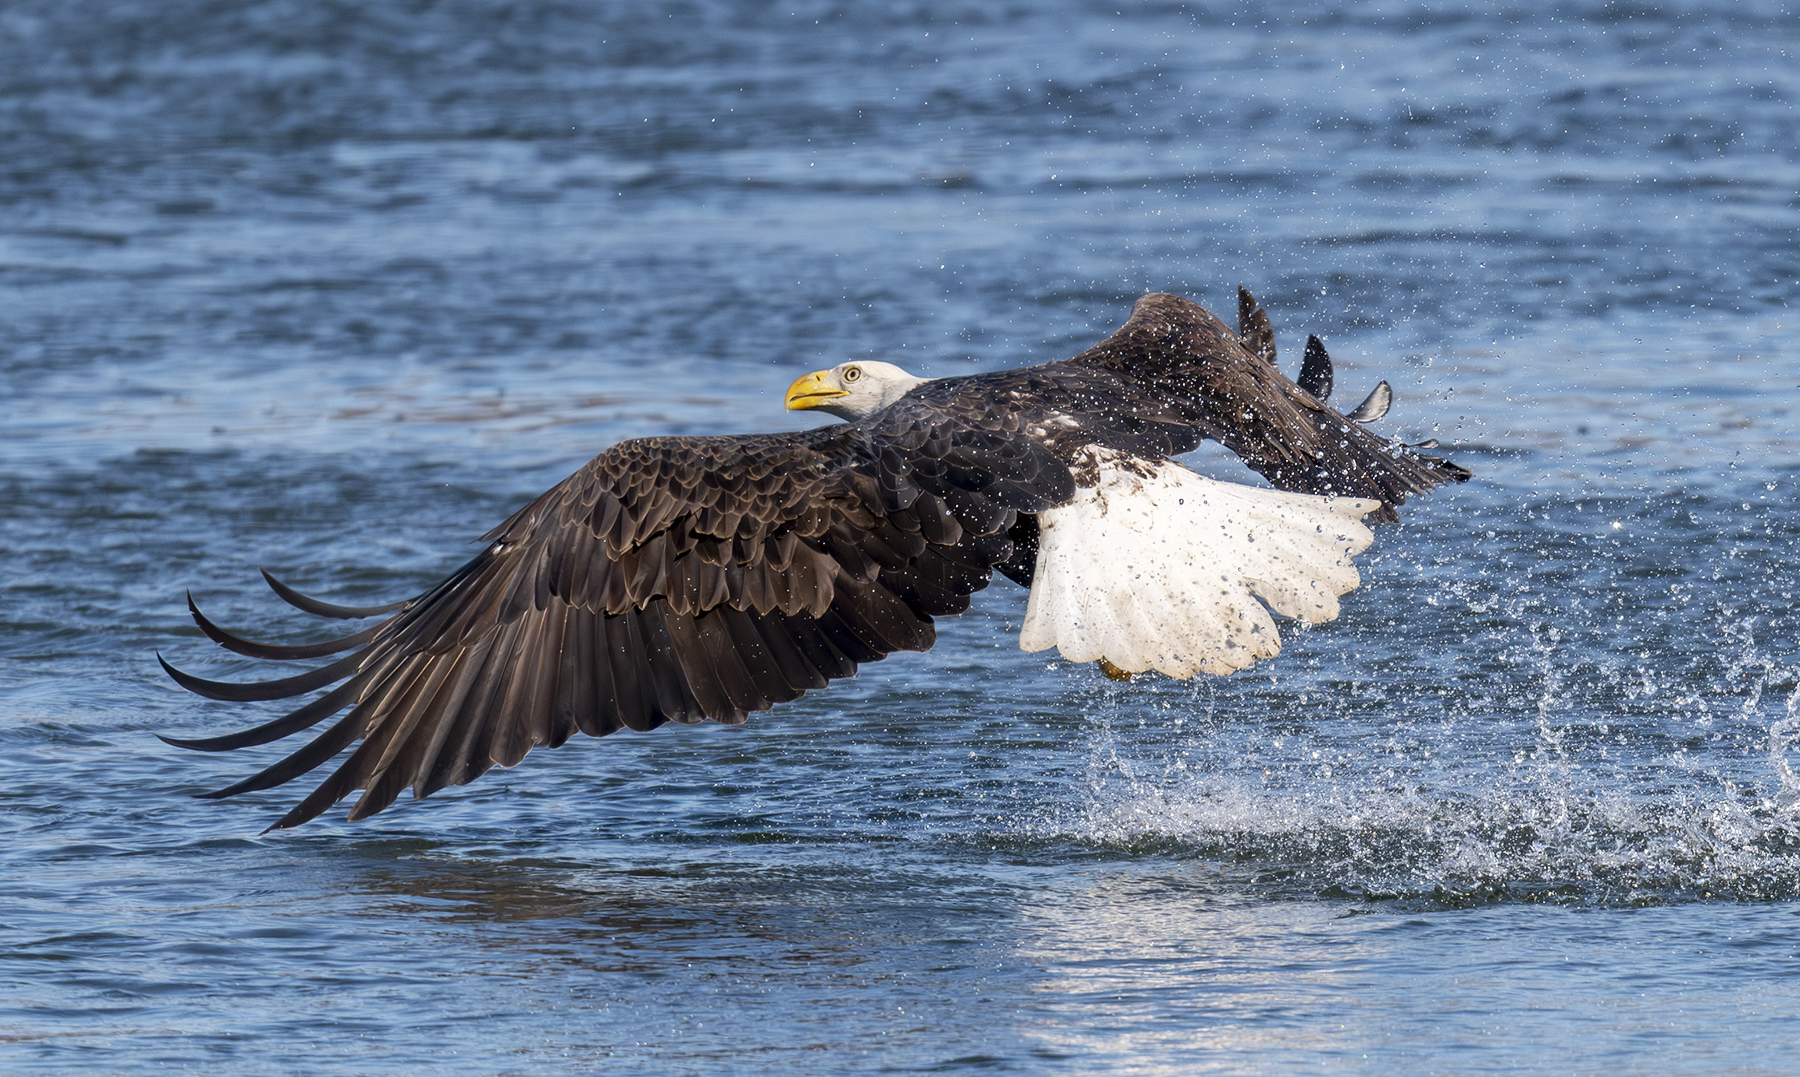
851,373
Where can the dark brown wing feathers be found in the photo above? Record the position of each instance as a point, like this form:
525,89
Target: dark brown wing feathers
1315,370
686,579
669,580
1254,331
1179,354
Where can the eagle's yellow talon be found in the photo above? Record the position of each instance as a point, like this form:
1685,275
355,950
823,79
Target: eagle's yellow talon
1112,672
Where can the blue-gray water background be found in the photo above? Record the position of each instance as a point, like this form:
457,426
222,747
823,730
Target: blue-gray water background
332,288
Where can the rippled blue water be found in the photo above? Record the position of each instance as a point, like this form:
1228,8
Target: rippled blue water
332,288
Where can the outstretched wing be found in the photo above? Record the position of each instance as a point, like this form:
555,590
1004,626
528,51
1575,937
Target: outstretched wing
1181,358
671,579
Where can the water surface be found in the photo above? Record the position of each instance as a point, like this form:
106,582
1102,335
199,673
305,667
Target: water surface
332,289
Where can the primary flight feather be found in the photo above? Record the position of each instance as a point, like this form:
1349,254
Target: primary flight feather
693,578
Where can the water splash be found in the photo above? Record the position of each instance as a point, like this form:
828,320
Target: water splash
1695,800
1524,842
1781,735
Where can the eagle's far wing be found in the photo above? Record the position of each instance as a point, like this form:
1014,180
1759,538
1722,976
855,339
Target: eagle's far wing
1179,357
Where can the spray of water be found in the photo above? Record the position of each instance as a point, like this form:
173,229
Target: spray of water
1704,805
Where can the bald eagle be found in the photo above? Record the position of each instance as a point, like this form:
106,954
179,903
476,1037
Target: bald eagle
692,578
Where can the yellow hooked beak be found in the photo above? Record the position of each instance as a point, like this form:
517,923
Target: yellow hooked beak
812,390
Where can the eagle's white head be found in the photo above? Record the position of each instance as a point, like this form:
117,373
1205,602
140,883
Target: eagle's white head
851,390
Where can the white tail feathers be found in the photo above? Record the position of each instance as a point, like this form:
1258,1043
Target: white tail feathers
1158,568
